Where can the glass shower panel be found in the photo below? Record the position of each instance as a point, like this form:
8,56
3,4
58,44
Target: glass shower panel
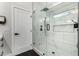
62,38
39,39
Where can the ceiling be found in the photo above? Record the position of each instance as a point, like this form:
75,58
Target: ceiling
40,5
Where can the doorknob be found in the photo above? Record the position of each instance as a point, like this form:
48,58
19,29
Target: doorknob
17,34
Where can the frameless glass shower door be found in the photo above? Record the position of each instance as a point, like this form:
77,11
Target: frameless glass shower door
39,38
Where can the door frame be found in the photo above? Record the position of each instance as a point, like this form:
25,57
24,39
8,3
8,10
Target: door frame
12,23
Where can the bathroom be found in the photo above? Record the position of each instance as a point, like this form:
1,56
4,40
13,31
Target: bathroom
47,28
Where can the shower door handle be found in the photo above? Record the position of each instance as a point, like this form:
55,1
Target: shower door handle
48,27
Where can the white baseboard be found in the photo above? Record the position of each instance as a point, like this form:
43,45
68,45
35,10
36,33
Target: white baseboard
37,51
26,49
20,51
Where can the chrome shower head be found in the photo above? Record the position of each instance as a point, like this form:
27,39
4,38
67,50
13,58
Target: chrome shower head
45,9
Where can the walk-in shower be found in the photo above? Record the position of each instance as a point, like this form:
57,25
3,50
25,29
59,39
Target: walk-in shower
55,28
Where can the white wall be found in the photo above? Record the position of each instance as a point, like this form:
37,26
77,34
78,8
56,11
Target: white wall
5,11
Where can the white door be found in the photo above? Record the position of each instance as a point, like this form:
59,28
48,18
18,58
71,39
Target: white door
22,29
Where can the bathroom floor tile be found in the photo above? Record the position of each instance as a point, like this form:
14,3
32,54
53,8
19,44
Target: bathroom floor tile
28,53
